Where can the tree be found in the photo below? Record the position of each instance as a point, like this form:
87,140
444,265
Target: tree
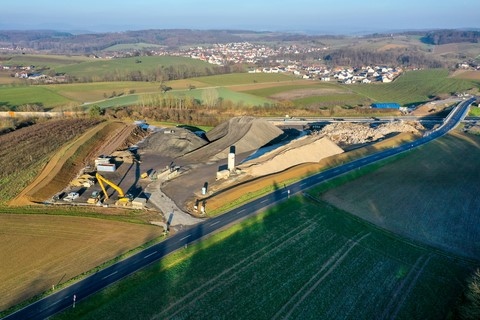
165,88
95,111
210,97
470,309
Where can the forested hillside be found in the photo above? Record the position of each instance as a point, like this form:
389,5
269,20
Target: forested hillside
451,36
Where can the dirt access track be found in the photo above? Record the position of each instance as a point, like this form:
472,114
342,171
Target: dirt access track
104,138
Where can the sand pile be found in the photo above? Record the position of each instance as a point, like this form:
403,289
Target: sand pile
311,148
173,142
245,134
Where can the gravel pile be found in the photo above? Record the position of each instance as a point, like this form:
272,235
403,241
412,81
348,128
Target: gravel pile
345,134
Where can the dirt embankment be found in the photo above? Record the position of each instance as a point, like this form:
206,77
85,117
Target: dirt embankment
67,163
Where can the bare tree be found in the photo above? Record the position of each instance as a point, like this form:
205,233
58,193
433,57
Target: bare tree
210,97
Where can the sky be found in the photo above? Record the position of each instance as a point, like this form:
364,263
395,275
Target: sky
314,16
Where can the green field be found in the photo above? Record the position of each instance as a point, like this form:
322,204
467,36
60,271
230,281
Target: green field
432,195
244,78
45,61
98,69
474,112
223,93
11,96
303,259
414,87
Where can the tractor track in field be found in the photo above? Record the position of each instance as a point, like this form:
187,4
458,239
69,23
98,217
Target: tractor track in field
238,267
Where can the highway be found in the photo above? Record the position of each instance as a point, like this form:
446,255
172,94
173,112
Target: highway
65,298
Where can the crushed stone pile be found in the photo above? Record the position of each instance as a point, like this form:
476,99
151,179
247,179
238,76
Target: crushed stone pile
343,133
400,126
173,143
312,148
245,134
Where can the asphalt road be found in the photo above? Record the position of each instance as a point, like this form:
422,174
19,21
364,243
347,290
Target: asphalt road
66,297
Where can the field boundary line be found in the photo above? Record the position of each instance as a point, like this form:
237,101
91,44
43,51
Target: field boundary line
349,245
238,266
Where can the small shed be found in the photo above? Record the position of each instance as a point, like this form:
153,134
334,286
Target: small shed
386,105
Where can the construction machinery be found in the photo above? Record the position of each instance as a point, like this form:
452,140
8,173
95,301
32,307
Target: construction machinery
123,199
94,197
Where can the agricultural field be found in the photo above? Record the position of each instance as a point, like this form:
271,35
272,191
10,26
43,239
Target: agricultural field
430,196
234,79
25,151
101,68
43,96
51,249
468,75
414,87
89,92
302,259
44,61
248,89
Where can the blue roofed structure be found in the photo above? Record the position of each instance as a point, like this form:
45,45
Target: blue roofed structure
386,105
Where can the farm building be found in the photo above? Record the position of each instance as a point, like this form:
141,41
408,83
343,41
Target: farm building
386,105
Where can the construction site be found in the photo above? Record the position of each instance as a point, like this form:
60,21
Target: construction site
175,170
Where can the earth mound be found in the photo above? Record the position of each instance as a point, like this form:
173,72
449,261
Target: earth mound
244,134
173,143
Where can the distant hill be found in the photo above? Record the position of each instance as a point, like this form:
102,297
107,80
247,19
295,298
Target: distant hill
451,36
64,42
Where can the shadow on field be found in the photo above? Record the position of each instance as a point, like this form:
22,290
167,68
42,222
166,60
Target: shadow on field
180,284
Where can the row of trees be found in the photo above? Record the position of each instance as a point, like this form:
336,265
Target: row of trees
394,57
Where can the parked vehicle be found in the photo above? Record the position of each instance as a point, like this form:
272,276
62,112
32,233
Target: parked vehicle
71,196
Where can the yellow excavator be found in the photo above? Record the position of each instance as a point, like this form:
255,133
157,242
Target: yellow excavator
122,198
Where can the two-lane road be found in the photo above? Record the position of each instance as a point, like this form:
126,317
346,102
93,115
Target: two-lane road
64,298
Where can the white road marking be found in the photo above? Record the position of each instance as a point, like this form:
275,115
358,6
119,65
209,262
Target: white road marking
264,201
214,223
111,274
303,184
241,210
148,255
59,301
184,238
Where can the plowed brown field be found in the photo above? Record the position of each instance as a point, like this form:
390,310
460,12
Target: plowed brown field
67,163
38,251
25,151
